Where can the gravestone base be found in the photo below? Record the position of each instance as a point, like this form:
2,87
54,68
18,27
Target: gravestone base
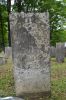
36,96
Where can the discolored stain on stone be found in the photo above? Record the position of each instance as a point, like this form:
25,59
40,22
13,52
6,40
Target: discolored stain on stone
43,47
24,62
29,28
20,19
34,18
26,39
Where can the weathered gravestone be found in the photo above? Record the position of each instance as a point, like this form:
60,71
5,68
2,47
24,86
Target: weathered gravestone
60,52
52,51
11,98
8,52
2,58
31,54
65,48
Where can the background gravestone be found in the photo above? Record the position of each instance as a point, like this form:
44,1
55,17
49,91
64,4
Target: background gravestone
2,58
52,51
60,52
65,48
30,43
8,52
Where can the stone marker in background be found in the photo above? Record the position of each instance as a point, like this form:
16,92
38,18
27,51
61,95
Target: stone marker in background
31,53
2,58
65,48
52,51
8,52
60,52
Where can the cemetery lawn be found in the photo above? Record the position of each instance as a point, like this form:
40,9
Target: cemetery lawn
6,79
58,80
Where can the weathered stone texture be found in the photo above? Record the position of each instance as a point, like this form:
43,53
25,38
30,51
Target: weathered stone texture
8,52
60,52
2,58
52,51
65,48
31,54
65,51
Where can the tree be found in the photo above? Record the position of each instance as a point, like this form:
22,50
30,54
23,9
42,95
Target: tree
3,27
56,10
9,9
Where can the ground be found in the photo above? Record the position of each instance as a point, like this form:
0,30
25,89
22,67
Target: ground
58,80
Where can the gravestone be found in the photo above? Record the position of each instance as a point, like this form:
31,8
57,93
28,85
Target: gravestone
2,58
52,51
31,53
8,52
60,52
65,48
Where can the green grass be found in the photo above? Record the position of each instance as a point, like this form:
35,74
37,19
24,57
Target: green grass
58,80
6,80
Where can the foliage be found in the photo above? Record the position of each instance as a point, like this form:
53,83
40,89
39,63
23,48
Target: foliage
57,14
3,26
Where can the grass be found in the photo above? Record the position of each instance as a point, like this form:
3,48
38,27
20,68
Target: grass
58,80
6,80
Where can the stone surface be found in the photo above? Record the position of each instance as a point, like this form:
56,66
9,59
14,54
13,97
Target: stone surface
65,51
52,51
65,48
31,52
2,60
60,52
8,52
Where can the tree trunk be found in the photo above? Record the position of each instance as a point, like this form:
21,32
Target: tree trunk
9,9
2,34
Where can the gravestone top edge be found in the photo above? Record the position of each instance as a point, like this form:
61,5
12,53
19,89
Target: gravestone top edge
29,14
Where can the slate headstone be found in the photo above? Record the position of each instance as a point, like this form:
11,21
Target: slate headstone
2,61
2,58
8,52
52,51
60,52
65,48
